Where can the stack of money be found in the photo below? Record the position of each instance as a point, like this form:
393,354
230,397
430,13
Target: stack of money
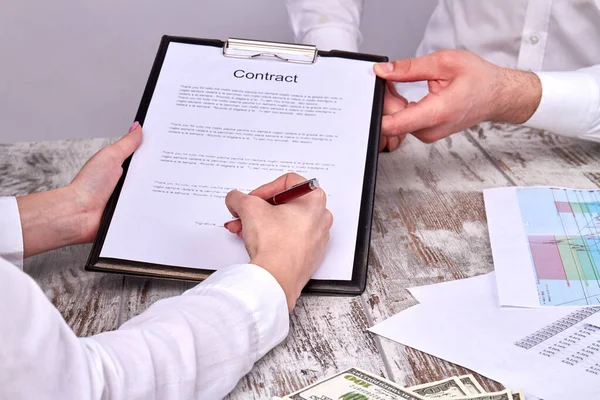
355,384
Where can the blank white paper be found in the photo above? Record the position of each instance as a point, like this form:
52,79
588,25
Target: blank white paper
594,320
512,260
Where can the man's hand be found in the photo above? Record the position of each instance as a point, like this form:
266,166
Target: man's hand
288,240
71,215
392,104
464,90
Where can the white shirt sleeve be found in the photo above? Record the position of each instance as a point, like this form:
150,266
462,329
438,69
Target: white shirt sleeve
570,103
328,24
11,235
194,346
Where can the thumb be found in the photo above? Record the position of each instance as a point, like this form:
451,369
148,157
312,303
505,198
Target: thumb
129,143
234,202
409,70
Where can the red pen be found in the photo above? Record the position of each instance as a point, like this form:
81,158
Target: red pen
291,193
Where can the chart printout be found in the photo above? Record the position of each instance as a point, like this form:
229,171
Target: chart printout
548,244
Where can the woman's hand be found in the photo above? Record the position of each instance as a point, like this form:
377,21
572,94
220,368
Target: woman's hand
71,215
288,240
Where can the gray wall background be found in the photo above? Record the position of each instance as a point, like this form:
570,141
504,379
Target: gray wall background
77,69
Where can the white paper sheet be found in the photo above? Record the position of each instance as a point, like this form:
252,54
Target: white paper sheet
512,261
551,352
546,245
212,127
457,291
594,320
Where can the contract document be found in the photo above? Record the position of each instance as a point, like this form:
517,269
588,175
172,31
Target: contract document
216,123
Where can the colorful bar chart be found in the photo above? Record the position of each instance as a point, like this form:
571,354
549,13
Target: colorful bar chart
565,258
563,232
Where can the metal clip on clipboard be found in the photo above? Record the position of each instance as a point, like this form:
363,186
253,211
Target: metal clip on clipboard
293,53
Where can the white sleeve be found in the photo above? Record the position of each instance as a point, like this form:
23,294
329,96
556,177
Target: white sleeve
197,345
328,24
570,103
11,235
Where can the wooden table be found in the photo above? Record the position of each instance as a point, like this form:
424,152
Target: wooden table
429,226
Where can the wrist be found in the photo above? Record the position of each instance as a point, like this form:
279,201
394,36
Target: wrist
518,97
50,220
276,266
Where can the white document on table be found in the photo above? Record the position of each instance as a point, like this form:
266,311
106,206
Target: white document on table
215,124
594,320
546,245
552,353
456,291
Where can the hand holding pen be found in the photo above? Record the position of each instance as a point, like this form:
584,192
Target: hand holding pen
282,197
288,240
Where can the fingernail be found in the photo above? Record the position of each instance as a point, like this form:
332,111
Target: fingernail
385,67
134,126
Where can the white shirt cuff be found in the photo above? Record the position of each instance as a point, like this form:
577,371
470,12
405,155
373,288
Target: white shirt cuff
569,105
11,235
258,290
328,38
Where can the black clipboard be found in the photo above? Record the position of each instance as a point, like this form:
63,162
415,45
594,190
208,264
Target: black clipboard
287,52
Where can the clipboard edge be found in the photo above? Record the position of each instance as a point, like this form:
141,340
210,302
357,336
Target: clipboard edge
194,275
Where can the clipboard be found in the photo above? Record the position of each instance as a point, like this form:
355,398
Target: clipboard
250,49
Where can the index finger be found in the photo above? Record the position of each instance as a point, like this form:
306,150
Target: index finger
278,185
424,114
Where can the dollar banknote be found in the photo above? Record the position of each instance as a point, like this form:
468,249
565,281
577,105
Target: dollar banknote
471,384
474,387
354,384
447,388
518,395
503,395
515,396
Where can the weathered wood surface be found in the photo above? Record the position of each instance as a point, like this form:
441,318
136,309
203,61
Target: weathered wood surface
528,157
429,226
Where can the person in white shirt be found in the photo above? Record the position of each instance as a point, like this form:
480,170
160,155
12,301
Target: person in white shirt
194,346
531,62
